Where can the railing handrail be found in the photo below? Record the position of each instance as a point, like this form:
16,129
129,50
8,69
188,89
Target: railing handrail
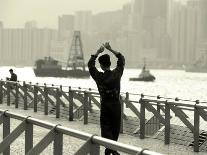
81,135
96,91
160,107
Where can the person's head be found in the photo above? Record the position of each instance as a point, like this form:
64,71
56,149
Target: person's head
105,62
11,71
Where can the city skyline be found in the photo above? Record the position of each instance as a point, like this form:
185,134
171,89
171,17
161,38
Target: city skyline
14,13
166,32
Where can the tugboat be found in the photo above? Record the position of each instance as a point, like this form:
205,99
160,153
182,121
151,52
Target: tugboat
145,75
49,67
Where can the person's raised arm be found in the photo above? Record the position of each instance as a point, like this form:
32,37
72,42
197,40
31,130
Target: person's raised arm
92,61
121,59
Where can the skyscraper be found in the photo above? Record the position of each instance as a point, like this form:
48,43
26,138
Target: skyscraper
203,19
66,22
83,21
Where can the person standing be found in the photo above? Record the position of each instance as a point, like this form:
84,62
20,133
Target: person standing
108,83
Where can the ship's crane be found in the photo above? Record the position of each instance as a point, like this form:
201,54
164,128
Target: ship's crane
76,57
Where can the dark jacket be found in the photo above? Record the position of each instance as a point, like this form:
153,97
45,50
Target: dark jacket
108,82
13,77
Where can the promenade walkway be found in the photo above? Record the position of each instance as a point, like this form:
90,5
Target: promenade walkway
72,144
164,125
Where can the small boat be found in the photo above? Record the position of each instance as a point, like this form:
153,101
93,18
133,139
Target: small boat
145,75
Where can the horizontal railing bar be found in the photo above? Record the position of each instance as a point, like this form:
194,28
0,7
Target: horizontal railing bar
73,133
120,146
201,106
81,135
96,91
175,103
182,108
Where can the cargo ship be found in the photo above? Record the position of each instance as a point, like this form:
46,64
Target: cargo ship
49,67
75,66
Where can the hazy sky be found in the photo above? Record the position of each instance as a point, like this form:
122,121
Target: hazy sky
14,13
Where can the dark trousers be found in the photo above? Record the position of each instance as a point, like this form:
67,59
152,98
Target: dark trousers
110,122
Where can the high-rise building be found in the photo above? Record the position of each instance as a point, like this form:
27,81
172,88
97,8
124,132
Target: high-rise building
1,25
1,31
66,23
148,19
30,25
203,19
83,21
183,30
25,46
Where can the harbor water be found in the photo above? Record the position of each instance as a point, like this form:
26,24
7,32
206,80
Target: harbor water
168,83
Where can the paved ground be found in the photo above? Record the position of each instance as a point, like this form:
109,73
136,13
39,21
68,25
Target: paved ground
72,144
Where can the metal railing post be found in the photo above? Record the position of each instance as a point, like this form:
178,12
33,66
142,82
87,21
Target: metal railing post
196,129
122,116
8,93
58,94
90,104
70,104
17,95
46,100
127,99
35,97
142,118
58,144
1,92
167,123
28,136
6,131
158,110
94,149
25,95
85,107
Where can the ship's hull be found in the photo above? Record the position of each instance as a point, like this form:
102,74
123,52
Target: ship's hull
150,78
61,73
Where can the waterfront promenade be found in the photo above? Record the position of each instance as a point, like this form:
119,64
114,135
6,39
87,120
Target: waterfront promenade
154,118
72,144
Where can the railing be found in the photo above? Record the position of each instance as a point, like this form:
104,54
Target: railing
79,102
91,146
